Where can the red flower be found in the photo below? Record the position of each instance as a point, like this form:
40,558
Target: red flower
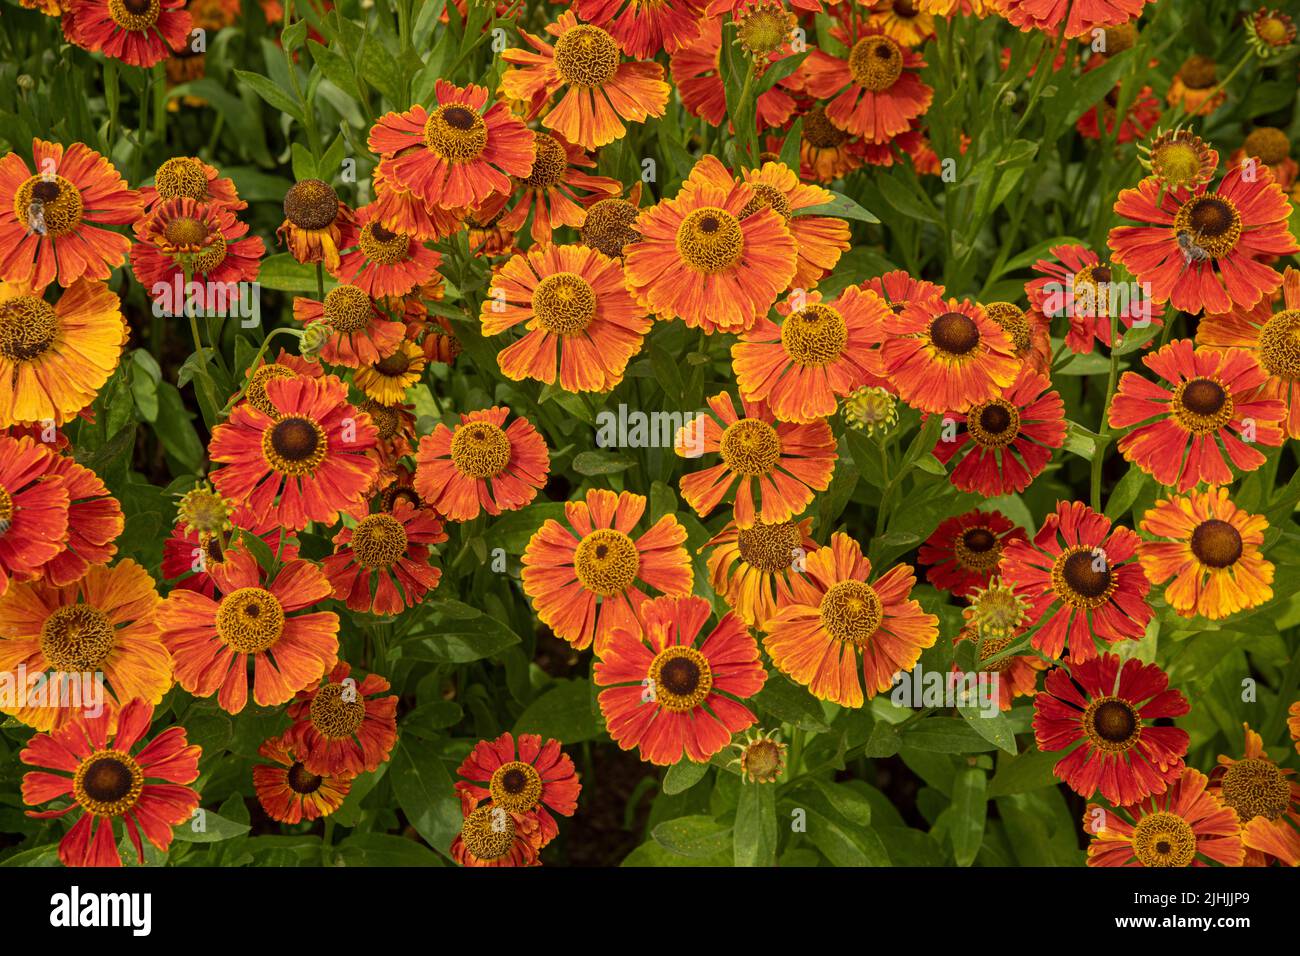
288,791
190,557
94,522
340,727
108,782
1079,16
535,780
1078,285
1085,574
1214,394
205,238
644,29
390,551
963,552
138,32
33,510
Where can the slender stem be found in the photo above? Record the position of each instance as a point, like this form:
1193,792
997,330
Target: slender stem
1103,428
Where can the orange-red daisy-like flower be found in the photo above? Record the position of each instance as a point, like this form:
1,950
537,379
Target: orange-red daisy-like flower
555,192
288,791
900,290
876,91
536,779
1030,334
600,89
459,152
1205,250
1106,715
819,353
964,551
709,256
313,453
94,522
1078,16
583,579
190,556
359,333
826,152
903,20
1081,579
670,697
1077,284
820,240
1195,88
137,32
285,366
341,728
214,641
1007,441
947,356
382,564
184,239
385,263
1143,114
1212,394
643,29
33,509
1267,802
107,781
95,641
788,463
188,177
1272,337
572,301
833,617
751,567
398,209
1211,550
697,76
54,357
481,465
317,223
1186,825
50,221
491,836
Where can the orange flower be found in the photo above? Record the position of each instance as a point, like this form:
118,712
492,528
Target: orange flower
1266,800
205,239
582,579
213,642
340,727
481,466
601,89
819,239
390,550
1195,87
385,263
532,781
833,616
492,836
47,220
820,352
138,33
643,29
573,300
188,177
556,191
788,462
33,509
751,567
288,792
398,209
94,522
360,334
708,256
317,223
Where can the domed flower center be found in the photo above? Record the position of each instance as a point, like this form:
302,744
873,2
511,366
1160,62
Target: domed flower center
1011,318
134,15
181,177
564,303
606,562
1211,222
385,417
77,638
1082,577
814,335
480,450
993,424
52,207
338,711
819,132
609,226
1164,839
1202,405
763,29
1198,72
766,197
750,447
28,327
1268,143
1111,724
456,133
516,786
294,446
378,541
256,395
586,56
954,334
996,612
769,547
250,620
977,549
1256,788
1274,30
395,365
681,678
851,612
876,63
108,783
383,247
1178,161
347,309
1279,345
550,163
301,781
488,833
710,240
185,231
311,204
203,510
991,648
1216,543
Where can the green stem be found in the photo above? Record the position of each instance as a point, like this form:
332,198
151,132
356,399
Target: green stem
1103,428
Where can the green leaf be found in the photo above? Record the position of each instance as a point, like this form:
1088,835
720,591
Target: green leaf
304,165
847,802
692,836
451,632
969,809
791,703
842,207
601,463
945,735
755,834
1032,770
683,775
994,727
285,274
424,792
273,95
384,849
207,826
564,712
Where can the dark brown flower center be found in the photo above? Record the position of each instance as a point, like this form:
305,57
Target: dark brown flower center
1216,543
300,781
954,333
